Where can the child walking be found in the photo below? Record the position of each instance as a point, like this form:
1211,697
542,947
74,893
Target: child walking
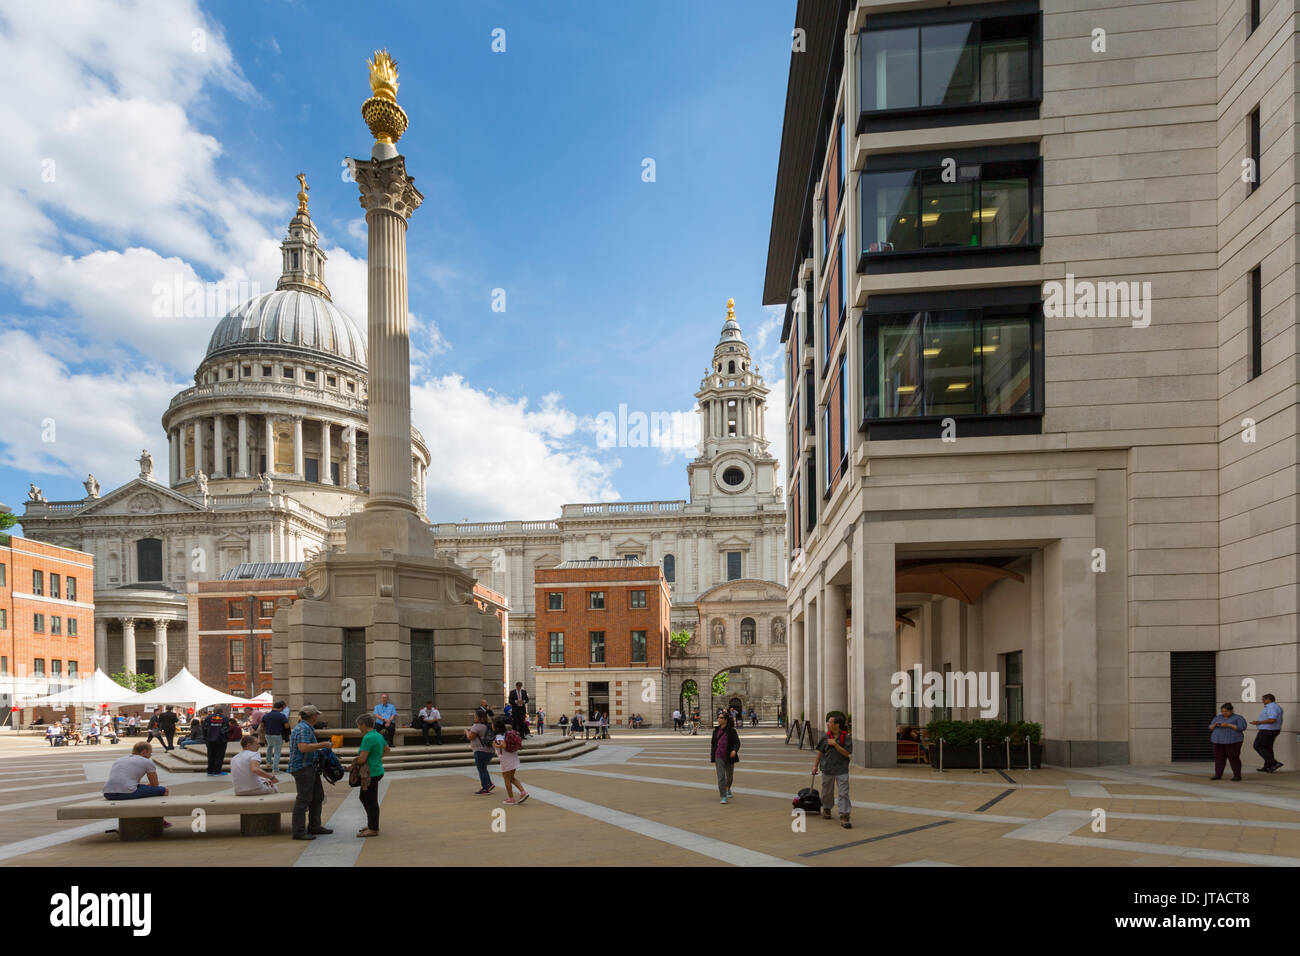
507,743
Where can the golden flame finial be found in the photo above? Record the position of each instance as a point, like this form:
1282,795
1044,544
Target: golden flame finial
383,76
387,120
731,310
302,194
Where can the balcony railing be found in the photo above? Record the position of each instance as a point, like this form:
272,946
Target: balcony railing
246,388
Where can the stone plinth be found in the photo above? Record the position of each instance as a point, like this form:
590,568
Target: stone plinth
387,595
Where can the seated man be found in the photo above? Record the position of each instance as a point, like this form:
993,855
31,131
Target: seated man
53,735
246,771
124,776
386,718
92,734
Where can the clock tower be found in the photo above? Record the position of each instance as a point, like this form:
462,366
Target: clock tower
735,471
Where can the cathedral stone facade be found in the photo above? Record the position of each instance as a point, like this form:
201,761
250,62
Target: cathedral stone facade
726,544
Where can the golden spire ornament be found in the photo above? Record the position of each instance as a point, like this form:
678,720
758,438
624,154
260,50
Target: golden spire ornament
302,194
731,310
387,120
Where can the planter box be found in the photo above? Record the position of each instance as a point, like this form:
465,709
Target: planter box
967,757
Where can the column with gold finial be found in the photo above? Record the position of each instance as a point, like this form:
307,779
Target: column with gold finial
389,197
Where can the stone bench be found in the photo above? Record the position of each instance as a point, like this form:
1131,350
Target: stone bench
143,818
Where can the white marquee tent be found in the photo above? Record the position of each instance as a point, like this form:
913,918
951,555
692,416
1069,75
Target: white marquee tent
95,690
185,688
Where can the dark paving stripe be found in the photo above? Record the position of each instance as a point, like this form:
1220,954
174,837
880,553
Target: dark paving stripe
1001,796
883,836
1005,776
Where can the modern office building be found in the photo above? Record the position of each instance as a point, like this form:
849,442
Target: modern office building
1040,284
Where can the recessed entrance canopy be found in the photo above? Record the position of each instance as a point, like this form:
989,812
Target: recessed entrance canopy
961,580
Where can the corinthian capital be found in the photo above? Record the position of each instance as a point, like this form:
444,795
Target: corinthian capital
385,185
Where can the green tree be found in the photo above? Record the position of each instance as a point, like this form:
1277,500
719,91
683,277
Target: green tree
7,520
690,693
720,683
679,638
140,683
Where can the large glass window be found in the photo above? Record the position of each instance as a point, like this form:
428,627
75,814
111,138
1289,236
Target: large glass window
597,647
947,64
555,600
953,362
891,69
237,656
733,565
988,205
54,585
70,589
638,647
557,647
670,568
842,397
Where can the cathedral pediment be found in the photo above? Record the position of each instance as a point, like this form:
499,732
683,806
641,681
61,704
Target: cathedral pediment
746,589
139,497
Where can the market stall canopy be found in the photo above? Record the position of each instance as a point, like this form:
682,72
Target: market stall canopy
185,688
95,690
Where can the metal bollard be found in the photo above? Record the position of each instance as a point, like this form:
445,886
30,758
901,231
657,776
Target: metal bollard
940,768
1029,755
1008,743
980,744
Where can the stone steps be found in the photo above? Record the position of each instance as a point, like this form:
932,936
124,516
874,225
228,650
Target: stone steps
195,759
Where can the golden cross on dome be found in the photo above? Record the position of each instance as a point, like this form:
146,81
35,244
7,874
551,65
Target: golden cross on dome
302,193
731,310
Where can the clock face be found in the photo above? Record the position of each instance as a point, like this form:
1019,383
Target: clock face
732,475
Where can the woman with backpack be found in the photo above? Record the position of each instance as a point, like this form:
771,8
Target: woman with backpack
724,753
507,743
478,736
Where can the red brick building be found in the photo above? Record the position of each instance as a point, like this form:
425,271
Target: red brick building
47,618
602,636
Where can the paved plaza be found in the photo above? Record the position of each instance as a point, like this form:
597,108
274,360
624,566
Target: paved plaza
649,798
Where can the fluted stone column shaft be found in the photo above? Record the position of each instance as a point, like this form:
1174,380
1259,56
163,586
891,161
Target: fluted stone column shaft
297,446
218,443
241,466
352,459
128,644
326,452
270,445
160,650
198,445
390,361
101,643
174,453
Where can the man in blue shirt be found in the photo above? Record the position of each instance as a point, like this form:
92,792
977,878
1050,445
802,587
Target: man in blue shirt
386,718
1270,725
305,768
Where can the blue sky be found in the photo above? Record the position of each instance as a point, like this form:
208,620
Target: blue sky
175,153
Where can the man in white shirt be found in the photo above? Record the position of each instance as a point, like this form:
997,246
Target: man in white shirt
246,771
429,717
677,720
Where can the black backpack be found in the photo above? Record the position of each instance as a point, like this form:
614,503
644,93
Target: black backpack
331,768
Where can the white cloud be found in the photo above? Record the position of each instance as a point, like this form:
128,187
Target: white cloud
494,458
100,421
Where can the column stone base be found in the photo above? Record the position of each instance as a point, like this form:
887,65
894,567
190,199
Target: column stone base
387,594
